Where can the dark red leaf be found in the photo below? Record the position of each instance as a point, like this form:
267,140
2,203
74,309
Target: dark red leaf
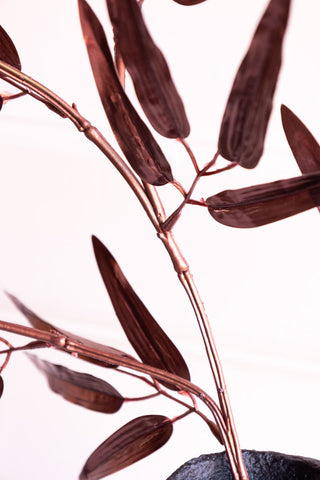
134,138
8,52
80,388
145,335
189,2
261,204
305,148
37,322
134,441
1,386
248,109
215,430
148,68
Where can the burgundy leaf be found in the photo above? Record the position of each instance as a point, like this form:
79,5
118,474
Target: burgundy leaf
134,441
148,68
147,338
8,52
189,2
37,322
248,109
80,388
305,148
261,204
215,430
134,138
1,386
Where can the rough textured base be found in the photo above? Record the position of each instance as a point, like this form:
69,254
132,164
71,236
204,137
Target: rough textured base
260,466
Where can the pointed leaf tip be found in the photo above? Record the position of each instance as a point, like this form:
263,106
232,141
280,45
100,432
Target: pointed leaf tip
80,388
145,335
8,51
134,441
189,2
1,386
248,108
34,320
133,136
305,148
262,204
148,69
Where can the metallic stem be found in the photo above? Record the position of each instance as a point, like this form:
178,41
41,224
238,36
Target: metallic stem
164,376
153,207
54,338
83,125
70,345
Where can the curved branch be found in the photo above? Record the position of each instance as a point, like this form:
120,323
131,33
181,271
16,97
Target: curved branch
84,126
67,344
154,210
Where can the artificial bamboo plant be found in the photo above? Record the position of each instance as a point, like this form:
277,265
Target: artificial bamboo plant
146,169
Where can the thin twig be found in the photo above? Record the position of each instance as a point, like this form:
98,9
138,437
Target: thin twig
180,417
14,96
220,170
30,346
190,201
168,224
134,375
5,363
138,399
179,187
190,153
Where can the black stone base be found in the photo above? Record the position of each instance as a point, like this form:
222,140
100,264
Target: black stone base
260,466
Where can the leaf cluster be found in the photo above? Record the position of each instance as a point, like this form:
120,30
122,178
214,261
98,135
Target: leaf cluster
241,142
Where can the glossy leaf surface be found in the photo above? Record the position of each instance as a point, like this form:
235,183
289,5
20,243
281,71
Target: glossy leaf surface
145,335
134,138
148,69
134,441
41,324
305,148
8,51
1,386
80,388
262,204
248,109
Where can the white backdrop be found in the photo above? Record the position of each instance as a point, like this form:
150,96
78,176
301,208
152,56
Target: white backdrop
260,286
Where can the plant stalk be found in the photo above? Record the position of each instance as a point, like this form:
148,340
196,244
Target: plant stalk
152,205
186,279
70,345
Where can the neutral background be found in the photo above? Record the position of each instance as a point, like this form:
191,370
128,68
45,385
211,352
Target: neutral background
260,287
